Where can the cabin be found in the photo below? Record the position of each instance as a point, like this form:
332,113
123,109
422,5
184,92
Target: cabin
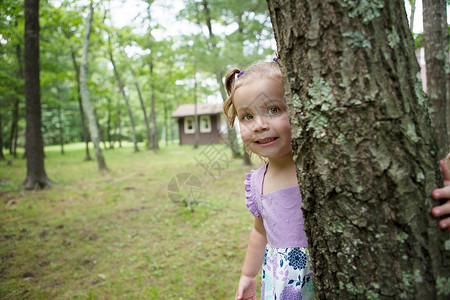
211,123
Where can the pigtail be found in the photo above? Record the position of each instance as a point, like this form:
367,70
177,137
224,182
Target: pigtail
230,82
230,79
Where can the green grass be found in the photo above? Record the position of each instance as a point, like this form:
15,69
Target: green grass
118,236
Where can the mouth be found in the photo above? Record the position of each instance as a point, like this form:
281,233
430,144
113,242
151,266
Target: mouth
266,140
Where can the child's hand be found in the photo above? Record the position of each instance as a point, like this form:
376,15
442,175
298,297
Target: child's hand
246,288
443,193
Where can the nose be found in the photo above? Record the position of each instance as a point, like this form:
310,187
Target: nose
260,124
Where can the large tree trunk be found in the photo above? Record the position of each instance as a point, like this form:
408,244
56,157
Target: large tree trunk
124,95
92,122
435,38
34,146
364,149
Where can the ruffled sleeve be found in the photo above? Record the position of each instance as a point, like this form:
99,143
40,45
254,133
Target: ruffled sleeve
250,197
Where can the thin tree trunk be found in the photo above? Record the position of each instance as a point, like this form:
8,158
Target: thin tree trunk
231,132
435,38
125,97
108,124
118,127
61,127
15,112
14,127
92,122
166,128
2,157
80,105
16,136
413,11
100,129
209,24
141,101
364,149
196,125
36,175
153,115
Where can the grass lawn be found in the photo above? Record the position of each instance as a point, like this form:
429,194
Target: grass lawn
118,236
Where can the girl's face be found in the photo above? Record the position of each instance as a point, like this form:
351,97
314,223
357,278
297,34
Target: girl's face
263,120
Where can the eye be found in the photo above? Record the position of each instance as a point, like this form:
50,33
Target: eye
247,117
273,110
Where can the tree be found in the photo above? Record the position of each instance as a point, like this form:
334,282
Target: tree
144,111
435,42
364,149
124,94
2,157
412,13
215,52
92,120
34,143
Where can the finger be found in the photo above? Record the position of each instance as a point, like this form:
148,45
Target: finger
442,193
445,170
445,224
442,210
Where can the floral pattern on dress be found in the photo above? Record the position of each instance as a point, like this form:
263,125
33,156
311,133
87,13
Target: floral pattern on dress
286,274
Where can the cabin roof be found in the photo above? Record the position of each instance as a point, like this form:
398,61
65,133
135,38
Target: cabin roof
186,110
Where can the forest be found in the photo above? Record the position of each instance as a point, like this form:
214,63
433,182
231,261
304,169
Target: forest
87,173
142,63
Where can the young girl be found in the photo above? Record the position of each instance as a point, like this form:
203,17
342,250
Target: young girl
277,241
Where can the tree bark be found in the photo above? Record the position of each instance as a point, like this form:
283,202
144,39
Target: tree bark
124,95
36,175
92,122
364,149
435,42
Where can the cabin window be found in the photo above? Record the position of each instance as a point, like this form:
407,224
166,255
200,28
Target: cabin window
205,124
189,126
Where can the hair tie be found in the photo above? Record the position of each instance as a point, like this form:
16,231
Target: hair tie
240,73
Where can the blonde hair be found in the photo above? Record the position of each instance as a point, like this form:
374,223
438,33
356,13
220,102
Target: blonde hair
254,72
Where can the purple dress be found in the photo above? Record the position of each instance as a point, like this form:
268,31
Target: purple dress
286,272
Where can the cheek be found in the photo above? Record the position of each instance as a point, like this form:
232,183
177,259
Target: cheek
246,133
